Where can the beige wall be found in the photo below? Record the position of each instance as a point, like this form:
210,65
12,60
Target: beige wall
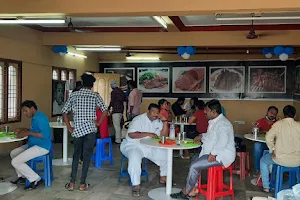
23,44
248,111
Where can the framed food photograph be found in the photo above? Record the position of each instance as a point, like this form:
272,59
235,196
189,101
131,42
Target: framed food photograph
267,79
227,79
153,80
189,80
125,73
297,80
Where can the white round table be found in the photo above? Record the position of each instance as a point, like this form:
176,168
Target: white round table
65,160
7,187
259,138
164,192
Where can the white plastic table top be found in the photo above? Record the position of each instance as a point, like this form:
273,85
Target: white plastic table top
60,125
184,123
259,138
153,143
164,192
8,139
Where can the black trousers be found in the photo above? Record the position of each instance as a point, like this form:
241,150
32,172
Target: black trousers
83,146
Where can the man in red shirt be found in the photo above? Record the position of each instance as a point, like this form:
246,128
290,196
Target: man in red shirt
264,125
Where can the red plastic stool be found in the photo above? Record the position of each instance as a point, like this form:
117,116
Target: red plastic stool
215,186
241,168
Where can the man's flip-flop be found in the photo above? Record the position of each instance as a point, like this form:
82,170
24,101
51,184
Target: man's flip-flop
70,186
164,183
84,187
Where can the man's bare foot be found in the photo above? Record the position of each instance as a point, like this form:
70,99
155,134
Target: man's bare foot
194,192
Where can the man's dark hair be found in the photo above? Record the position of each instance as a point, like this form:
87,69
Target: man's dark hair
200,104
161,102
153,105
289,111
28,104
132,84
273,107
214,105
88,80
181,98
78,86
195,99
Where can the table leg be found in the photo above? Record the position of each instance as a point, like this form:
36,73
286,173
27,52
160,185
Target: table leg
181,130
164,193
65,160
65,145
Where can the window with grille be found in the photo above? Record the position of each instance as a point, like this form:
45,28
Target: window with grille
10,91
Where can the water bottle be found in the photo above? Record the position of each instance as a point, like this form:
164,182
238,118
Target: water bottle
172,131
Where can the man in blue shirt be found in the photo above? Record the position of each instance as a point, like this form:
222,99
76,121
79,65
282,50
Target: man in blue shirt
39,144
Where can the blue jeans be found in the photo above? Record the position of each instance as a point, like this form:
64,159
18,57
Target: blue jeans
265,161
259,148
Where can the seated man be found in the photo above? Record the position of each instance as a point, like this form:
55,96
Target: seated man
39,144
218,148
176,107
264,125
147,125
283,141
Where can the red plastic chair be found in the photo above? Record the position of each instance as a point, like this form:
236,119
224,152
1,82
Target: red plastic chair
215,186
243,168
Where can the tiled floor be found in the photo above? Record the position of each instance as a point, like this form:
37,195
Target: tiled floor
104,182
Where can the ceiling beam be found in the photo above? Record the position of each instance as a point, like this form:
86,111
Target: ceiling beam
144,7
171,39
171,26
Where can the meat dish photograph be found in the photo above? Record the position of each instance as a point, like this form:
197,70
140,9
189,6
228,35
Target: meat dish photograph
267,79
189,80
226,79
153,80
126,74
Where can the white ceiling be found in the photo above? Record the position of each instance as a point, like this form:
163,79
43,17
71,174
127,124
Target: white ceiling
108,22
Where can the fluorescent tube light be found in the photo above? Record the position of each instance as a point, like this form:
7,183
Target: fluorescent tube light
76,55
32,21
161,21
256,18
143,58
98,48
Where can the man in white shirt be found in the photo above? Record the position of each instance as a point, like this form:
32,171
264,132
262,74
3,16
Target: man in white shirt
148,125
218,148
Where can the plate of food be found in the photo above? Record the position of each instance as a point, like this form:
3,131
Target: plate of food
167,143
153,80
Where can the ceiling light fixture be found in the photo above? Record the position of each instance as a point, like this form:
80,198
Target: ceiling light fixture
76,55
32,21
98,48
256,18
143,58
161,21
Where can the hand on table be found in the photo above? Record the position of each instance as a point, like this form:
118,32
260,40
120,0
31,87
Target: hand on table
18,130
197,139
211,158
22,134
153,135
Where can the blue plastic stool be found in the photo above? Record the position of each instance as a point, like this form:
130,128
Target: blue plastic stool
277,177
47,171
100,155
124,172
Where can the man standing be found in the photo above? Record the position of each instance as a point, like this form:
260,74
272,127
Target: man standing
134,100
118,98
176,107
264,124
283,140
83,104
147,125
39,144
218,148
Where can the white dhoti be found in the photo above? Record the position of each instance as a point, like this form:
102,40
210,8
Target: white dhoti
135,152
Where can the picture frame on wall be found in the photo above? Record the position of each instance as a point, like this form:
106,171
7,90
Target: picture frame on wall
58,96
153,80
267,79
227,79
125,73
297,80
189,80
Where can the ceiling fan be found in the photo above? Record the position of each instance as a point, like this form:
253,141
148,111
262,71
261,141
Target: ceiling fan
73,29
252,35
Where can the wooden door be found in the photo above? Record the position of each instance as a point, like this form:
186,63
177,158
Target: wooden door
102,85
